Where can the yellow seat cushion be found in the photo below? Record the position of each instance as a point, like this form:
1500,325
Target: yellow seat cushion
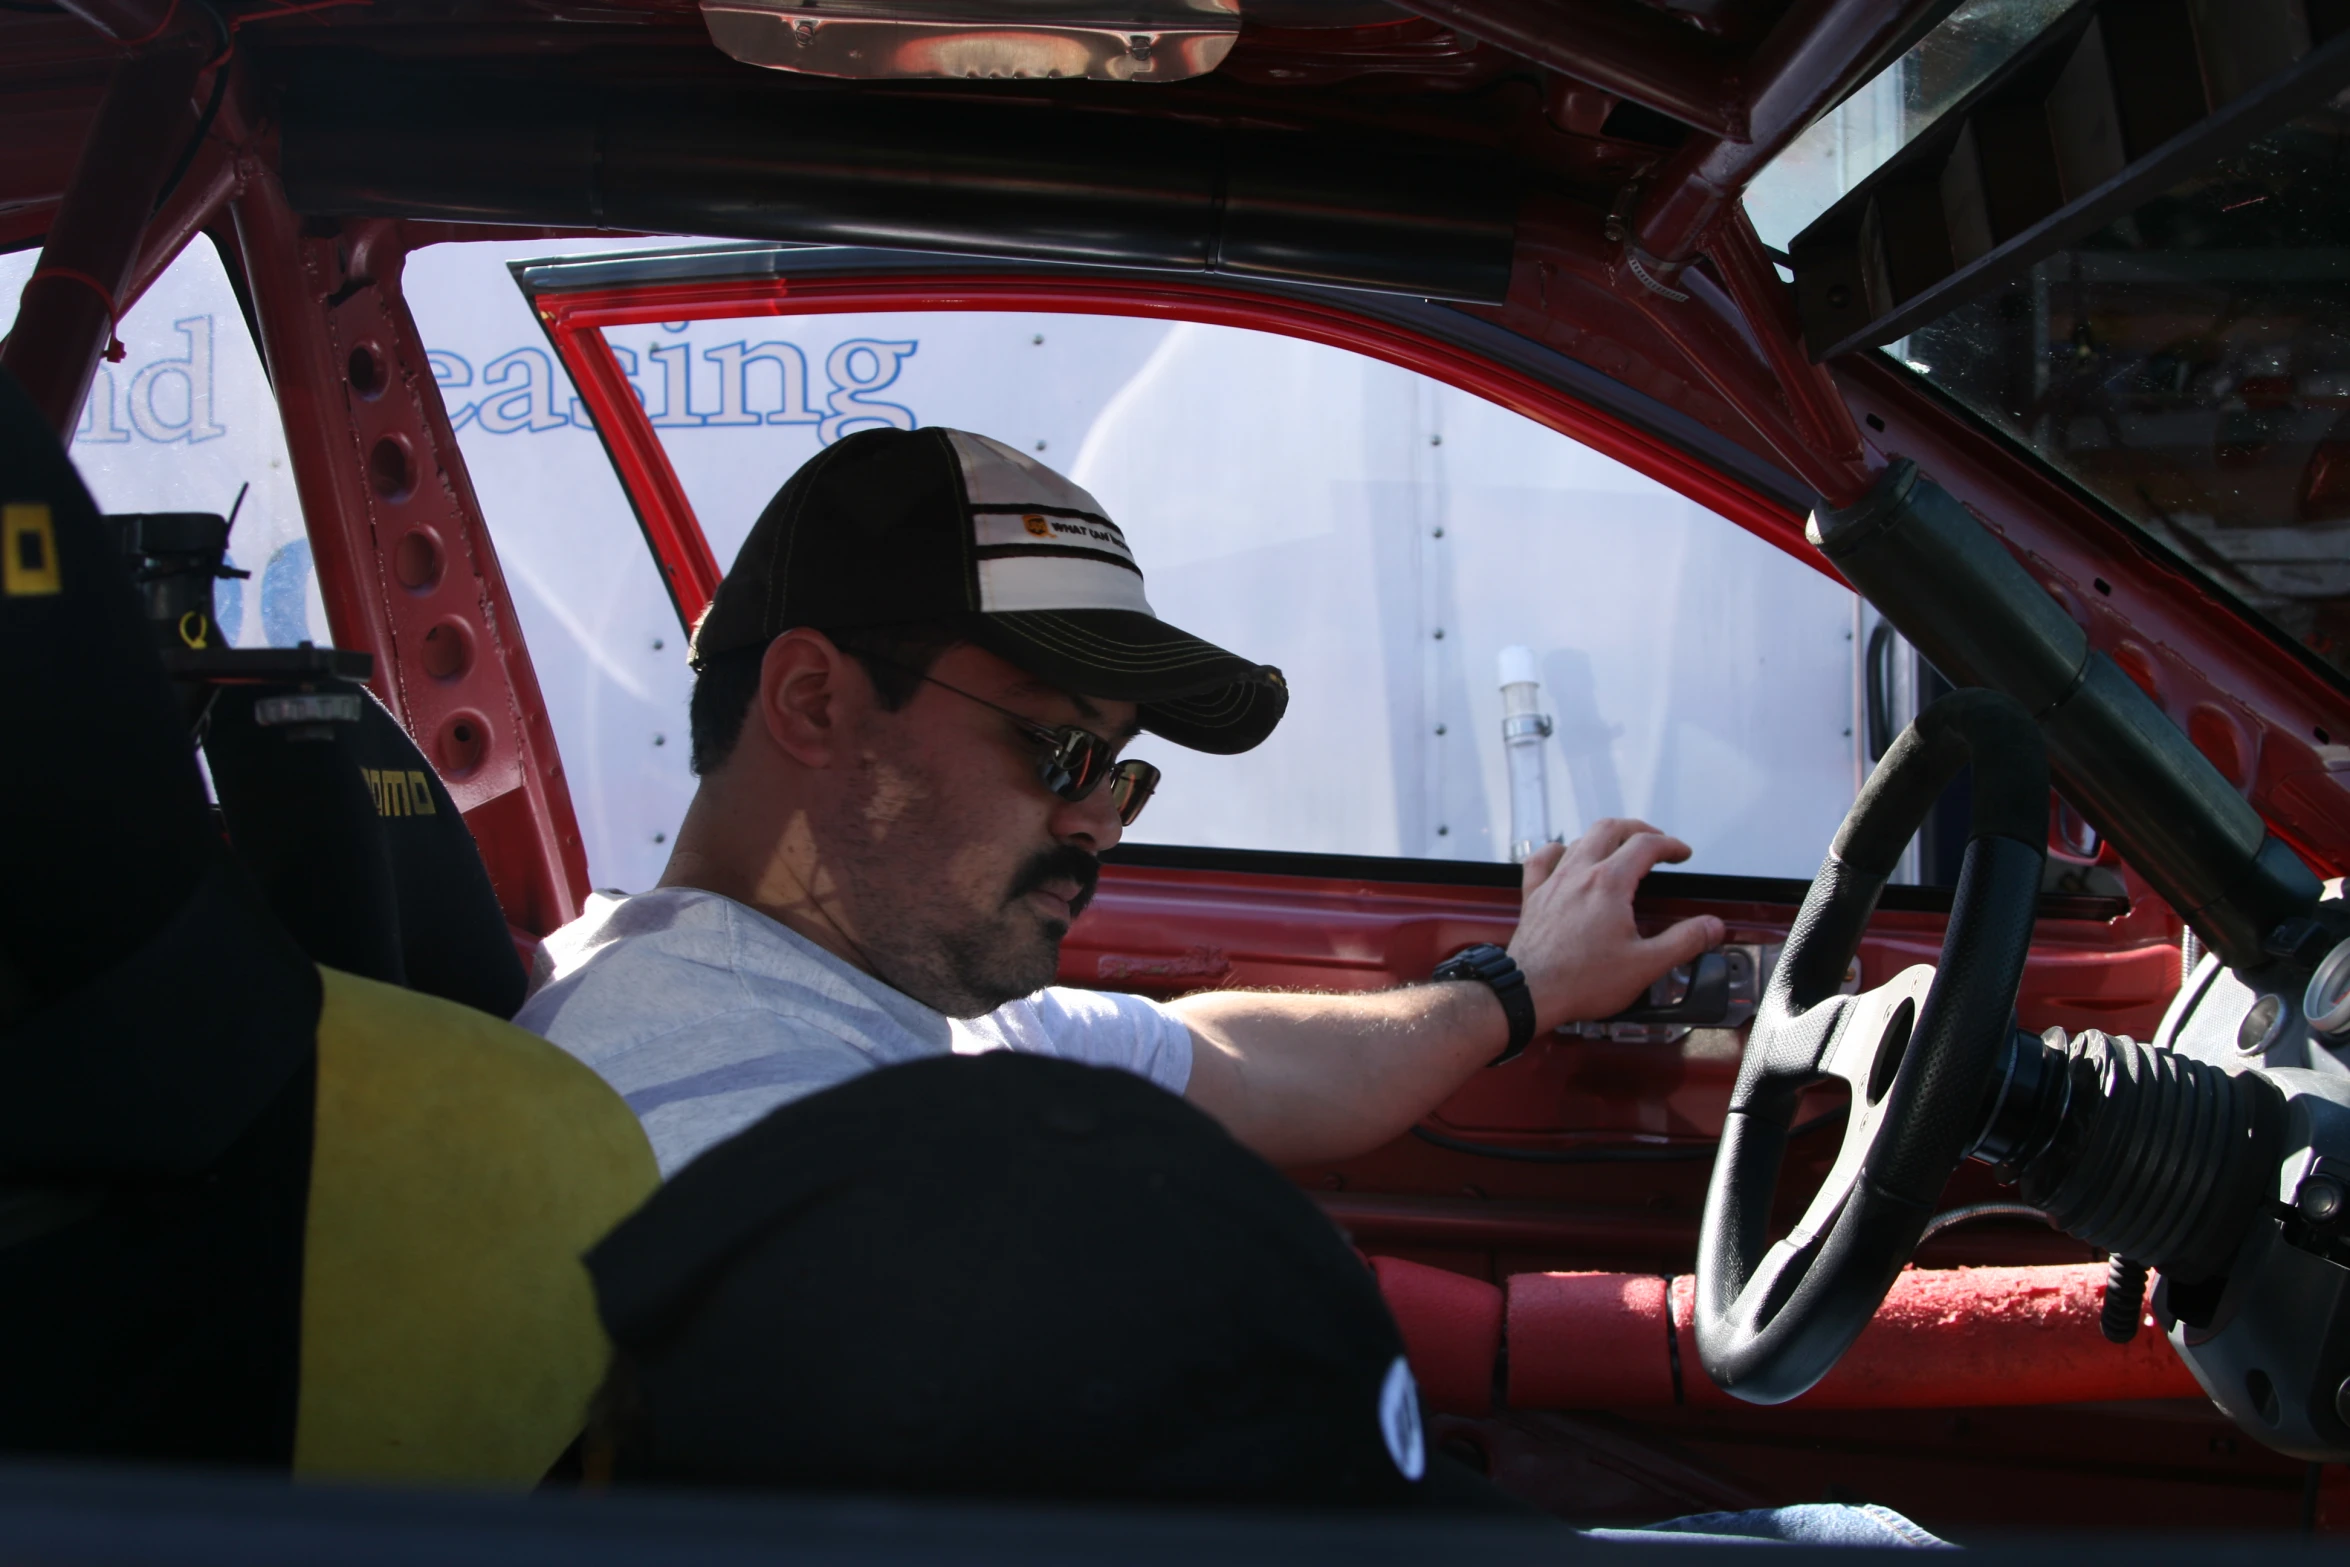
459,1169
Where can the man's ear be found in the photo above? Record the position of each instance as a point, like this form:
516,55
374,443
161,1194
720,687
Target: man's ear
807,690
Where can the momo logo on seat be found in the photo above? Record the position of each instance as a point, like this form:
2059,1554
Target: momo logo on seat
398,793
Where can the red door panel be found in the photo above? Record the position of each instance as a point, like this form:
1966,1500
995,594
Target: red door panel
1613,1140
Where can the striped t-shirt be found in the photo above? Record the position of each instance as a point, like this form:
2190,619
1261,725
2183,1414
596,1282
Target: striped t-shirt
705,1015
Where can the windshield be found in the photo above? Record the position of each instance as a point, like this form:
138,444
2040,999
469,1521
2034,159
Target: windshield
2190,366
1849,144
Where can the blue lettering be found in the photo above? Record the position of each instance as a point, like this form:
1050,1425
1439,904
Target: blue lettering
677,387
519,388
451,371
101,418
791,373
522,385
193,372
857,367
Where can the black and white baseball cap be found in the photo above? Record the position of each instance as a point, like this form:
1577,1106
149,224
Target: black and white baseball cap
889,526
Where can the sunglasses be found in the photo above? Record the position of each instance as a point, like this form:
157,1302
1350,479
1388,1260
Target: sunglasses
1073,762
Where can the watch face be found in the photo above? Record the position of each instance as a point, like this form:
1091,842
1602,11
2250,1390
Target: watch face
1470,963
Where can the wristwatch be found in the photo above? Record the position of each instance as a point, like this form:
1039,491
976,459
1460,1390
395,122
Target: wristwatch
1498,970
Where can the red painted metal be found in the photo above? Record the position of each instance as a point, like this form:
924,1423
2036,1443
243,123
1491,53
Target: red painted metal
70,305
1768,306
211,183
2159,620
312,394
667,517
1714,340
1458,1225
1169,931
1446,1210
1165,932
575,323
53,76
1942,1340
22,226
1633,51
403,559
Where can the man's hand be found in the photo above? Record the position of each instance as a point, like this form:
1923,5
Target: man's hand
1302,1077
1582,955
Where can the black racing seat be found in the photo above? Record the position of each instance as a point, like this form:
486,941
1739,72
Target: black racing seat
356,843
252,1210
357,846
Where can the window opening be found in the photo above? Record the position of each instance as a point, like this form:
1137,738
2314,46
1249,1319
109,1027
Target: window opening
1379,534
184,422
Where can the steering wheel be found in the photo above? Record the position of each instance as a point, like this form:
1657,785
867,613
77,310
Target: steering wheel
1917,1053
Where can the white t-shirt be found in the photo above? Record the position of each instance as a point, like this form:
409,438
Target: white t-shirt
705,1015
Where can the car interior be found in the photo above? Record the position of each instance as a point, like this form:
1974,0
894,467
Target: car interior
1903,440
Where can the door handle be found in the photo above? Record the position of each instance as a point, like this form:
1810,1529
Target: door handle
1696,994
1719,990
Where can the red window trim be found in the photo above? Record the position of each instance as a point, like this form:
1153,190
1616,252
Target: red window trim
575,321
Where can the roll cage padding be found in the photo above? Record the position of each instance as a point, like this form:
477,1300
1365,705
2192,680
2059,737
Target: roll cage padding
1966,602
461,1169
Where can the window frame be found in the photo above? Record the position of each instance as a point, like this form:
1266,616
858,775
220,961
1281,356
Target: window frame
575,301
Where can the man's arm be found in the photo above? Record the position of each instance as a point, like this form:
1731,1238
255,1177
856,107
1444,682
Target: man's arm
1304,1078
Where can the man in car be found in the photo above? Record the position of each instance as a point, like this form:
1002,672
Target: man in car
911,693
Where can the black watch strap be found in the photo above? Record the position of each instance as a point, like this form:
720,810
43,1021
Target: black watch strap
1499,971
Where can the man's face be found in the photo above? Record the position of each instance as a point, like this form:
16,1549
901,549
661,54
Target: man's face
962,871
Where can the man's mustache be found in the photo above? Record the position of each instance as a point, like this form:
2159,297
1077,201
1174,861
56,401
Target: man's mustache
1065,863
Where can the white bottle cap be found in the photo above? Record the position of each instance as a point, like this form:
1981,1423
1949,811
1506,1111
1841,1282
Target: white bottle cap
1517,666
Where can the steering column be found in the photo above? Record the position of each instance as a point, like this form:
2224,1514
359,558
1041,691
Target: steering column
2234,1183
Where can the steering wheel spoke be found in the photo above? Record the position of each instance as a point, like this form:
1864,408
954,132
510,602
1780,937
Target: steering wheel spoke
1865,1053
1784,1052
1876,1030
